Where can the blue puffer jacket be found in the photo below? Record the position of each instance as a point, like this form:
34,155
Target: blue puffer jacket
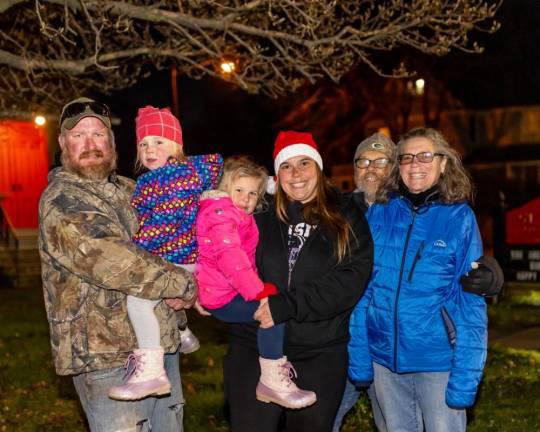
414,313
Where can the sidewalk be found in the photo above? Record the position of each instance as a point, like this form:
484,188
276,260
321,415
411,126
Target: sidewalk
528,339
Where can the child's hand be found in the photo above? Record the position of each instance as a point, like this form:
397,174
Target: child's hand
202,311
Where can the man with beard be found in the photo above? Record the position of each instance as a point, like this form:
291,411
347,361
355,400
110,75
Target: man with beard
90,265
373,161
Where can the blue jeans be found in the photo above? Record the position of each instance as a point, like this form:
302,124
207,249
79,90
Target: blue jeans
269,341
350,397
411,402
163,414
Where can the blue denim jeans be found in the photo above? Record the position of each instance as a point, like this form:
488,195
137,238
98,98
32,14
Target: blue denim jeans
163,414
350,397
269,341
411,402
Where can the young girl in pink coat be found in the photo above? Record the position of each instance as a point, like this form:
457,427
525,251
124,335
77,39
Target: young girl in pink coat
229,287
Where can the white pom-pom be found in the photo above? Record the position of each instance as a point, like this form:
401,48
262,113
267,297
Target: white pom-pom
271,185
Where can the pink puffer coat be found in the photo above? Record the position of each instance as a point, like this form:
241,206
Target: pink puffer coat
227,239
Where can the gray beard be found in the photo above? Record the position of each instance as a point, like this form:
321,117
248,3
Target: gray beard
370,197
369,191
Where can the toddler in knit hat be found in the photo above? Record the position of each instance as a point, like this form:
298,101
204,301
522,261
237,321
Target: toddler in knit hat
166,198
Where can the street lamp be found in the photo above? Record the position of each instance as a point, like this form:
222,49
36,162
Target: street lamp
40,120
419,85
227,67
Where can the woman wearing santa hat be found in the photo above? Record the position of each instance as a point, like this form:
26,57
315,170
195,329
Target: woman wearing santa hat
318,252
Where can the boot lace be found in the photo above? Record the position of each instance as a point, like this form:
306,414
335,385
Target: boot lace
287,372
133,365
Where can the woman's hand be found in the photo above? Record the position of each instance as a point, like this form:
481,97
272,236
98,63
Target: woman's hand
263,314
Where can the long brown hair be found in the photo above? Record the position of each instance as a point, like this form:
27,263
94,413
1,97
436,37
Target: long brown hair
323,210
454,184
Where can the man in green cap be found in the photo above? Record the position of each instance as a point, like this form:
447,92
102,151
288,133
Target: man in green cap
90,265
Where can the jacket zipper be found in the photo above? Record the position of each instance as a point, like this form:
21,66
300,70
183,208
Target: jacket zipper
449,326
416,259
399,288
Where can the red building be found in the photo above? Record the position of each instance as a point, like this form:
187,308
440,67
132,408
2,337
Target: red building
24,161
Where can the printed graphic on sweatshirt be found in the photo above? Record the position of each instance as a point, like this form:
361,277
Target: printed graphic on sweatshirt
297,236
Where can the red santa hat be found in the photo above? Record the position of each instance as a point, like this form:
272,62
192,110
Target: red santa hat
152,121
290,144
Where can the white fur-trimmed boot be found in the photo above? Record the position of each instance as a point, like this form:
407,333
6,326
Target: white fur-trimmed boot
147,376
276,385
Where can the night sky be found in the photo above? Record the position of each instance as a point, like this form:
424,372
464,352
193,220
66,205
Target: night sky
216,116
508,72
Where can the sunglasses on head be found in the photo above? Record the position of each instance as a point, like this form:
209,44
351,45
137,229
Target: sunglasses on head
77,108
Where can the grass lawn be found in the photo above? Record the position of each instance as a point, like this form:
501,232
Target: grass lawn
33,398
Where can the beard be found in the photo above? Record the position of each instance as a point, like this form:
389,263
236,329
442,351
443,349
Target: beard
369,184
96,171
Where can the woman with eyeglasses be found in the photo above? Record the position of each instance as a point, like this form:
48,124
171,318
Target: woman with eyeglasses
416,333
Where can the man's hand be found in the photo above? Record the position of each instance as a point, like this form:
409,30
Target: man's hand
486,279
263,314
177,303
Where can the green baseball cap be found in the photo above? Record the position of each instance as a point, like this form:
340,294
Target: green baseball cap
82,107
376,142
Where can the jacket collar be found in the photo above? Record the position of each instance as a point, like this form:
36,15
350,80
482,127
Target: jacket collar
420,200
60,173
359,200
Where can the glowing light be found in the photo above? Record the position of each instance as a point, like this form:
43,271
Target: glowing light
227,67
419,85
40,120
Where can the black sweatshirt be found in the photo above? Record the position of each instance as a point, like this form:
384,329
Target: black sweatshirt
317,303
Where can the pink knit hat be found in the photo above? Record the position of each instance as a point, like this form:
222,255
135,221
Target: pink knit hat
290,144
158,122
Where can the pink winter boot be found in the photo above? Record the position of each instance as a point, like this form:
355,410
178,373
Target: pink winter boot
147,376
276,385
188,341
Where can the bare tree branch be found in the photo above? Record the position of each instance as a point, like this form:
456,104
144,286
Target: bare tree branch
49,48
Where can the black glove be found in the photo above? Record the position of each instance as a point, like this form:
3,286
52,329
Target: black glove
486,280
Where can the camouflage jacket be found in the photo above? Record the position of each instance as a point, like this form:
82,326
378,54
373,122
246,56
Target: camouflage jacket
89,265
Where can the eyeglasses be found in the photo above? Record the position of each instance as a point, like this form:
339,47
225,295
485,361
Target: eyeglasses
362,163
423,157
77,108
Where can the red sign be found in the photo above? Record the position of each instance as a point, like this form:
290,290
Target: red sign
523,224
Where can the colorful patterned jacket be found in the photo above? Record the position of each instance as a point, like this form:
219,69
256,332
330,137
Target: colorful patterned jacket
89,265
167,202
